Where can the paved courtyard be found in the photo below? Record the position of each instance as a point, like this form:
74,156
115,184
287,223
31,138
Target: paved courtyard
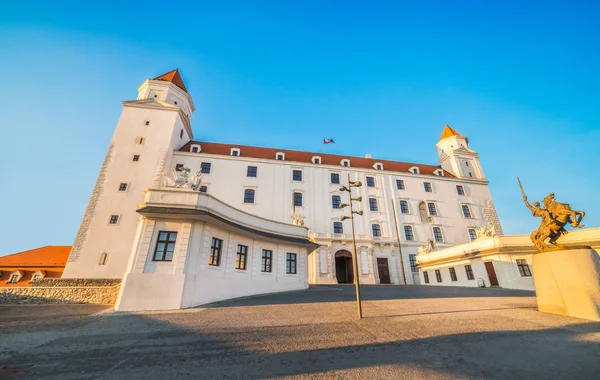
408,332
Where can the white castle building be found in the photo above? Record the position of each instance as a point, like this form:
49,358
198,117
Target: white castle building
249,197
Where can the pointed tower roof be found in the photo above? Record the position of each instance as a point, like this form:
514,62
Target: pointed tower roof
449,132
174,77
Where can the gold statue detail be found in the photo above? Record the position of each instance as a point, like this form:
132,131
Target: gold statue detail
554,216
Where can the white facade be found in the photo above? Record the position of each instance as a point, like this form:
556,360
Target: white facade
274,259
156,128
502,257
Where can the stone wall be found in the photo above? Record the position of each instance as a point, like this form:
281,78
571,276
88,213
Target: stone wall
58,290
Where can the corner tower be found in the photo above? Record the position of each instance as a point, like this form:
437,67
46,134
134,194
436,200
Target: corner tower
456,157
149,129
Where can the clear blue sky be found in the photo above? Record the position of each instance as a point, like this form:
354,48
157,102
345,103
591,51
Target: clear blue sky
520,79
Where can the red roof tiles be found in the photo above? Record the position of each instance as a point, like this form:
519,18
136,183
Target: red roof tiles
49,256
306,157
174,77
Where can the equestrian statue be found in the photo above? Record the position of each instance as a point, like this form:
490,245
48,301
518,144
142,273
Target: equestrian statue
555,216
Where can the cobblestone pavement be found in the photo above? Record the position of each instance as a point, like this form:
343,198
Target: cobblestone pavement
407,333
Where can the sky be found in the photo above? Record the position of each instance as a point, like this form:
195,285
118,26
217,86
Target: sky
520,79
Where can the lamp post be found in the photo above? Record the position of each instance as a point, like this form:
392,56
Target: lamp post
351,217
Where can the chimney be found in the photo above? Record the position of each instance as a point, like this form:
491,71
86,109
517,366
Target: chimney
368,155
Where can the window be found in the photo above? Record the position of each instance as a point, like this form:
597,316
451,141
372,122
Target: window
523,268
175,102
376,229
316,160
136,157
437,234
427,186
414,170
345,163
439,172
404,207
165,246
335,178
139,140
178,167
426,277
195,149
36,276
370,182
460,190
297,175
378,167
104,258
123,187
297,199
466,211
400,184
290,263
280,156
114,219
215,252
242,255
408,233
203,189
469,271
235,152
373,204
252,171
147,122
338,228
452,274
467,163
472,234
266,261
205,167
181,134
336,201
438,275
413,263
249,196
432,209
14,278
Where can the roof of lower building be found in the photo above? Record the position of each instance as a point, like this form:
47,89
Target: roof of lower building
306,157
48,256
174,77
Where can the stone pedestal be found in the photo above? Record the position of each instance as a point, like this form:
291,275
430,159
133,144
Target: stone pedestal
567,282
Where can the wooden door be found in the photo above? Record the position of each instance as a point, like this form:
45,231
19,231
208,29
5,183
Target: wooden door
384,271
489,266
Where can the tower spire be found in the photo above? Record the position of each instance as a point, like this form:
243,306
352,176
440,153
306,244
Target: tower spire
174,77
449,132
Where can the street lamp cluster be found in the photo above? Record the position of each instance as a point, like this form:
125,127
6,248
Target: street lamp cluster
351,217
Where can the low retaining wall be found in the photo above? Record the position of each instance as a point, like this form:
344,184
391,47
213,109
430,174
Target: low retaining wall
58,290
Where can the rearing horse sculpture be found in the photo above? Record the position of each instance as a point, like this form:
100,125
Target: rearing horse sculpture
563,212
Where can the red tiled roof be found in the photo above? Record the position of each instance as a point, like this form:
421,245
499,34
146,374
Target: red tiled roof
49,256
174,77
306,157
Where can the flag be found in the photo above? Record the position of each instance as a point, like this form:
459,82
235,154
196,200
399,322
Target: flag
328,141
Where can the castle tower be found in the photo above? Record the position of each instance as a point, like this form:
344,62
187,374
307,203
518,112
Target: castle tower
148,131
456,157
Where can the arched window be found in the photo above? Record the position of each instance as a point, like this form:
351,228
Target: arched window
408,233
249,196
423,212
373,204
338,228
336,201
437,234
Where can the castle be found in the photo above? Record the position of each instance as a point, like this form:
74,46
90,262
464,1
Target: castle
141,220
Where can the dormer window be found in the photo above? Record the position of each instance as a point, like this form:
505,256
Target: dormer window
378,166
345,162
414,170
38,275
235,152
439,172
316,160
15,277
280,156
195,148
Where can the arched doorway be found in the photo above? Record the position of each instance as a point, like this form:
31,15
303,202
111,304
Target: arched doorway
343,267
